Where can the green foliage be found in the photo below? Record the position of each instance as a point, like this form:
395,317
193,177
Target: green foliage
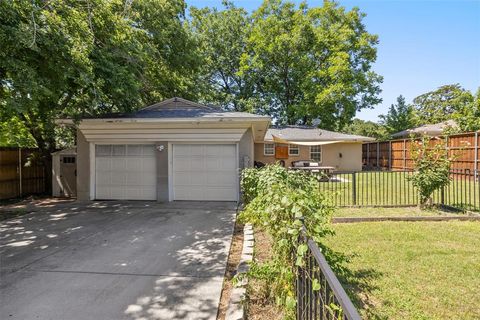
399,117
222,36
282,203
311,63
70,58
468,119
441,104
432,168
367,129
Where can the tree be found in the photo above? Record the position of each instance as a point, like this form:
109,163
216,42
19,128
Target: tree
311,63
367,129
222,38
441,104
70,58
468,118
399,117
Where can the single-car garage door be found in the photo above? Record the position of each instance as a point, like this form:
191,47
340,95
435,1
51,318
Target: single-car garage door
205,172
125,172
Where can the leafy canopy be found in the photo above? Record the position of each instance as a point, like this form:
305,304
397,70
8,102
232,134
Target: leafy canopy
311,63
399,117
70,58
367,128
441,104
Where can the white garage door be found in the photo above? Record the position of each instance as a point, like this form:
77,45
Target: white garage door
125,172
205,172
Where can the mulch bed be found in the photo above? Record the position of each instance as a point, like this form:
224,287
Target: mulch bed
232,263
259,307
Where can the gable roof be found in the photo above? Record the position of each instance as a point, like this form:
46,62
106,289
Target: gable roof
304,133
180,108
428,129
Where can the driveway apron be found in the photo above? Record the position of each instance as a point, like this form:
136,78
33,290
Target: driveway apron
115,260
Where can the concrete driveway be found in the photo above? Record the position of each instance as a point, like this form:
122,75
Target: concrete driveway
115,260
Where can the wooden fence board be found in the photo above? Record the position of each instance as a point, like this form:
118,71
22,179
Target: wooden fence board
16,165
395,154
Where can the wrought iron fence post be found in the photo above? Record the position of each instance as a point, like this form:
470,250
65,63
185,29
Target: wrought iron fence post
354,188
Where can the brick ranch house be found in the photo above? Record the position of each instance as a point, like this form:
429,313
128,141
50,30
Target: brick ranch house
182,150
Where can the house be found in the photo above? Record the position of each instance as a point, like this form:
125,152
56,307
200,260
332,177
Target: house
428,129
182,150
293,143
172,150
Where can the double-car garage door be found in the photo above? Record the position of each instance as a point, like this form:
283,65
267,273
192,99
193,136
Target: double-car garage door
198,172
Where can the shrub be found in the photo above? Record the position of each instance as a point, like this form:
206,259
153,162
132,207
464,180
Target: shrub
432,168
282,203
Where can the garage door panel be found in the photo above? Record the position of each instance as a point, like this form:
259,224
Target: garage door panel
148,179
189,192
118,164
197,164
103,164
205,172
134,164
125,172
214,193
224,180
119,178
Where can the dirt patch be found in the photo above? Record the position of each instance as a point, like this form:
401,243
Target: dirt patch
259,306
232,263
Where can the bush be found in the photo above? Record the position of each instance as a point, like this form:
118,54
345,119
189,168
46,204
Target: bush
432,168
282,203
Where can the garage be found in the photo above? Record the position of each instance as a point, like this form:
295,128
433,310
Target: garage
205,172
172,150
125,172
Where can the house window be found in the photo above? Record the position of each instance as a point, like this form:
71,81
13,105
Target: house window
316,153
268,149
293,150
68,159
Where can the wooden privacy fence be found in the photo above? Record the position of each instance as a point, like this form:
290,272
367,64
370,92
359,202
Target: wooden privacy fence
395,154
20,173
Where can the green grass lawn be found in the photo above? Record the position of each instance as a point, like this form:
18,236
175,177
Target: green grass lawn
412,270
394,188
390,212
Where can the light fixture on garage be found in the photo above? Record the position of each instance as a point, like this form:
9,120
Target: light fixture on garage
160,147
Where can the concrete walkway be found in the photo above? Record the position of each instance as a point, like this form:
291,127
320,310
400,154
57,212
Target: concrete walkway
115,260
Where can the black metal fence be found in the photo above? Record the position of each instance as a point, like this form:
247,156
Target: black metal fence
320,296
394,188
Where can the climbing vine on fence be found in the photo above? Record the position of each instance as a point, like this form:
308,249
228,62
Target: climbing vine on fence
282,203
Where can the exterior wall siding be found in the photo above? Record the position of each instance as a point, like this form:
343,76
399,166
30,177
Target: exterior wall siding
83,167
351,156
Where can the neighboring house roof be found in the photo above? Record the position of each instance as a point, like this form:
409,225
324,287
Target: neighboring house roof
428,129
179,108
303,133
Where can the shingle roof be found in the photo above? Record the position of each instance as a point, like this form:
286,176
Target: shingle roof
428,129
181,108
303,133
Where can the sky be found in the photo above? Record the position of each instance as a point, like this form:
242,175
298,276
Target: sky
422,44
